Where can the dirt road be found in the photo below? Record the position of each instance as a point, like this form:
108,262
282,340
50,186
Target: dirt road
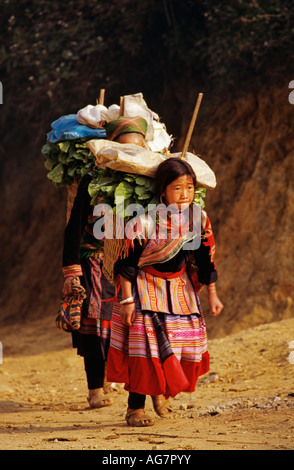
246,402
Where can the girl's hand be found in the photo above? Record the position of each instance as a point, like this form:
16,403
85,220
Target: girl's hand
215,304
128,314
127,311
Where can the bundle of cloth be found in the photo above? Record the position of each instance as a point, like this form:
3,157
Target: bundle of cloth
67,158
131,158
96,127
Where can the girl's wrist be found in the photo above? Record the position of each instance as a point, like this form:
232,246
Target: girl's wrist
129,300
211,286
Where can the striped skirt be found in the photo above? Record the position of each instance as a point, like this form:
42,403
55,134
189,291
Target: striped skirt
159,354
94,333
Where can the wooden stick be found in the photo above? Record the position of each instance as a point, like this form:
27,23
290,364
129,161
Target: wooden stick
102,94
100,100
191,127
121,110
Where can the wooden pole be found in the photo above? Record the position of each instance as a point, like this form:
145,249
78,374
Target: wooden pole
121,110
100,100
192,125
102,94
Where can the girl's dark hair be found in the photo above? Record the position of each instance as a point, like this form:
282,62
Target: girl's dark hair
169,170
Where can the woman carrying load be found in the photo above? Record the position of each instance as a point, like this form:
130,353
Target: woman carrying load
83,258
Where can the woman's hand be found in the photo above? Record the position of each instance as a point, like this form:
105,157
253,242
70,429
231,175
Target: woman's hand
128,314
67,287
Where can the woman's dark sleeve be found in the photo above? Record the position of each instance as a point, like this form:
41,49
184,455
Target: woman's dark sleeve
128,266
204,256
75,228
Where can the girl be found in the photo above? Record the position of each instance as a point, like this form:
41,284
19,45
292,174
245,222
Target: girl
158,341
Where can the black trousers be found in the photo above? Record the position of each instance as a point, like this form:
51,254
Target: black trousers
136,401
94,367
94,352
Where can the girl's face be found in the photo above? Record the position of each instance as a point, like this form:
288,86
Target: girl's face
181,191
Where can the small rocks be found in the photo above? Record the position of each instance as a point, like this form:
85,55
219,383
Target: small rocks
6,389
291,355
61,439
212,378
239,404
186,406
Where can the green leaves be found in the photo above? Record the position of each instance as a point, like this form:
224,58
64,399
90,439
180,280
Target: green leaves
200,194
123,190
116,187
71,160
56,175
67,161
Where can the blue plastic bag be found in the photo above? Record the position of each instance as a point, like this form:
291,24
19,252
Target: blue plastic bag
68,128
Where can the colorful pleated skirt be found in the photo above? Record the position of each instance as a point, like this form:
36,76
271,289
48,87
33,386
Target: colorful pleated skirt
159,354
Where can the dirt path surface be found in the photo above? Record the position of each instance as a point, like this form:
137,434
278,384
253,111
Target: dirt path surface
246,402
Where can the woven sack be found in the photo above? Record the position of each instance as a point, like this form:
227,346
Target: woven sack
113,249
69,315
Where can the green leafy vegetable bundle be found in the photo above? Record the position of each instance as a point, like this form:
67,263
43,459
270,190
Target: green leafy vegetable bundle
111,187
71,160
67,161
200,194
114,187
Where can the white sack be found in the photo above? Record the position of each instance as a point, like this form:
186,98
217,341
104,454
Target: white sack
131,158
